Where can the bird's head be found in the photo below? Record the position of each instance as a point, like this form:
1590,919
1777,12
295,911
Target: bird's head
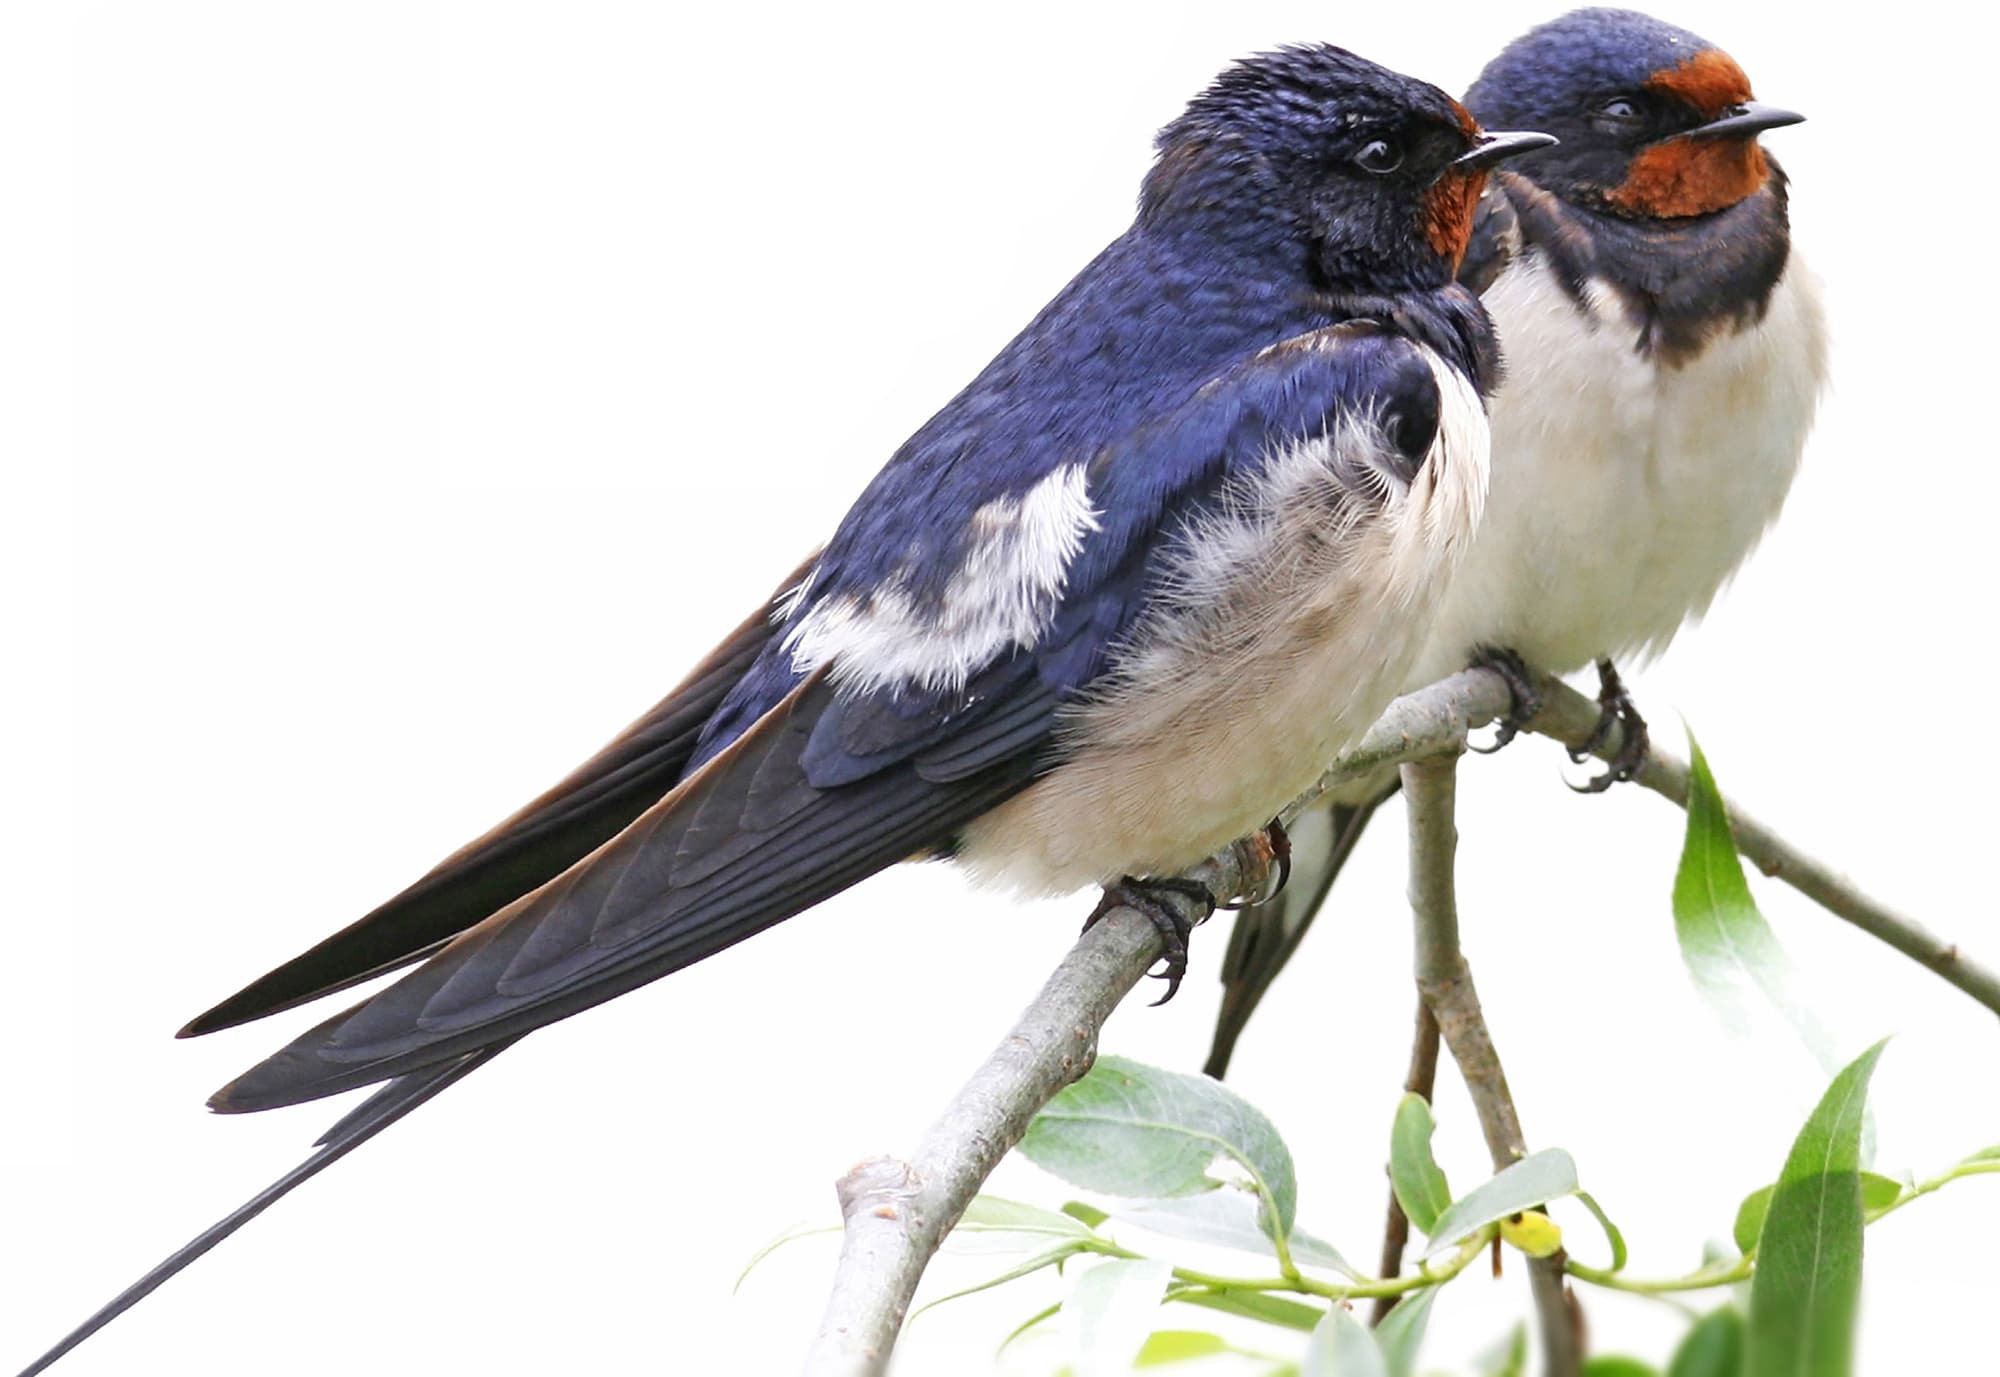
1360,178
1655,122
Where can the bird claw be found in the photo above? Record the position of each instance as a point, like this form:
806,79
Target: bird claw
1279,840
1526,700
1615,708
1145,897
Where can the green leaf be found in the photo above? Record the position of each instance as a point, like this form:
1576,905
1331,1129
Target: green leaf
1878,1192
1617,1365
789,1236
1611,1234
1050,1257
993,1225
1178,1345
991,1213
1727,944
1802,1299
1413,1173
1088,1215
1229,1218
1131,1129
1989,1154
1251,1305
1713,1348
1110,1311
1537,1178
1510,1358
1401,1332
1342,1347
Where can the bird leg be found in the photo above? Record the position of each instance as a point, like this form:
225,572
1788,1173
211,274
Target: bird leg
1275,839
1615,707
1527,701
1147,897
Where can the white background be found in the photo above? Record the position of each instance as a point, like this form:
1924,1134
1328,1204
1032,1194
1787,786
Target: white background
432,384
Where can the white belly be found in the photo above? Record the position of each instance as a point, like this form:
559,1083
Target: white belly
1624,493
1298,619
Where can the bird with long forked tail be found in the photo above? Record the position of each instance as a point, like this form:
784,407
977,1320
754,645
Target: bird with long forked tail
1105,613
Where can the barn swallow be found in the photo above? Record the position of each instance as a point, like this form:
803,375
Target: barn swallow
1105,613
1665,352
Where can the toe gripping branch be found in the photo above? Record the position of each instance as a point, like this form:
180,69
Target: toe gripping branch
1527,700
1150,897
1615,708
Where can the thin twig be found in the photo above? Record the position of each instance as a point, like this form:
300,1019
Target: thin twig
1430,788
1437,720
1421,1080
1568,716
897,1212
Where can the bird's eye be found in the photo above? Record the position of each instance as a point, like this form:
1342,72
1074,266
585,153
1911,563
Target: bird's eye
1619,108
1379,156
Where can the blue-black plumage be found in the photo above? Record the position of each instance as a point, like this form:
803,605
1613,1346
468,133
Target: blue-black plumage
1105,612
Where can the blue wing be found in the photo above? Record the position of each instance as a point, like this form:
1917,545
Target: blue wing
836,774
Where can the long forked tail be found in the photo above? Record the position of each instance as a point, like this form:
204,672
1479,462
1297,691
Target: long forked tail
1266,934
367,1119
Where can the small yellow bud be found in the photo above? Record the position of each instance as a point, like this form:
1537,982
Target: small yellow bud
1534,1233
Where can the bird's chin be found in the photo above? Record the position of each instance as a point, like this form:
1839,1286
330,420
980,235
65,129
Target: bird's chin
1682,177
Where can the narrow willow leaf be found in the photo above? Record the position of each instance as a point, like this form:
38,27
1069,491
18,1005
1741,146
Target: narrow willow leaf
991,1212
1727,944
1343,1347
1989,1154
1088,1215
1713,1348
1414,1174
1617,1365
1178,1345
1611,1233
1052,1257
993,1225
1109,1312
1252,1305
1878,1192
1802,1299
1131,1129
789,1236
1401,1332
1229,1218
1537,1178
1510,1358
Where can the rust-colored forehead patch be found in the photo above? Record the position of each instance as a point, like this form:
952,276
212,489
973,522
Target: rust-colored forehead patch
1465,120
1710,81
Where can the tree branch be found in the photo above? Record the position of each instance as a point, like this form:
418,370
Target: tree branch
1436,720
1430,788
1568,716
897,1212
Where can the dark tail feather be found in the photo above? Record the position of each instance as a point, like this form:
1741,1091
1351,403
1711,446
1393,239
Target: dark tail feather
374,1114
1266,935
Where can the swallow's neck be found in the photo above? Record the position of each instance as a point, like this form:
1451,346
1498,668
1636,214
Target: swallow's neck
1683,281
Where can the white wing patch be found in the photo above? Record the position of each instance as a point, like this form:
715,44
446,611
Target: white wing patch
1001,596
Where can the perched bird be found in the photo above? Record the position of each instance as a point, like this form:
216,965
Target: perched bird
1665,352
1105,613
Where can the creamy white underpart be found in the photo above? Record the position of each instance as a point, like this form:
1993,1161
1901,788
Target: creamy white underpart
1295,615
1624,492
1002,595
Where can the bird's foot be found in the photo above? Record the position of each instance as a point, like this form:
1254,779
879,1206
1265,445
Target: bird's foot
1147,897
1615,708
1269,853
1526,699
